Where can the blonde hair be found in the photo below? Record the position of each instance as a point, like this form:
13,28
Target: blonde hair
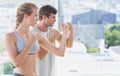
26,8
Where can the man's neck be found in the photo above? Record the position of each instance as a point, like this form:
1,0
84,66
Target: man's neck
42,27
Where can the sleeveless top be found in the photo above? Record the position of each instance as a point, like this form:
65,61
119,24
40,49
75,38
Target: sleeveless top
46,66
44,34
21,43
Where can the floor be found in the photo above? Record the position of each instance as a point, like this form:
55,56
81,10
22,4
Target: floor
84,64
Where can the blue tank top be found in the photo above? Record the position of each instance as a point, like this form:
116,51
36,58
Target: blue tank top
21,43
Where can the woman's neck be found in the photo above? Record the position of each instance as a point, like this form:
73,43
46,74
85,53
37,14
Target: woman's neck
23,29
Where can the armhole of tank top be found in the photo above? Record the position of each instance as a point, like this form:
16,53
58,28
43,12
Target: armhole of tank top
49,34
13,35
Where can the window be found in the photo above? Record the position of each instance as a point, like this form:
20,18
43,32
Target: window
96,46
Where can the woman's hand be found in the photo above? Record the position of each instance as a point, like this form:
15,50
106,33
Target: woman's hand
31,37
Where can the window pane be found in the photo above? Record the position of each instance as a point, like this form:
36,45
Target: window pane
96,44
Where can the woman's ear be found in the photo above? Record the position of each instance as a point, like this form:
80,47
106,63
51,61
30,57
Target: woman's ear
25,16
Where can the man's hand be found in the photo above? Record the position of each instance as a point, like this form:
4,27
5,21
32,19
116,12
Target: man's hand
70,25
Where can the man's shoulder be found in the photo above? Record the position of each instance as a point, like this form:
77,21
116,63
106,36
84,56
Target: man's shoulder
34,29
53,29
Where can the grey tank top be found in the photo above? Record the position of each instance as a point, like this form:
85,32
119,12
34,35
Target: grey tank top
44,34
21,43
46,66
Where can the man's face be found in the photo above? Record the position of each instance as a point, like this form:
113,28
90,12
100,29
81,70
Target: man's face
50,20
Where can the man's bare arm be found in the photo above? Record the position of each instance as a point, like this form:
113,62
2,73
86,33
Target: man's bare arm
70,39
71,36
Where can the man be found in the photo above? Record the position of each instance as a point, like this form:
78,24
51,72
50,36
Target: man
47,17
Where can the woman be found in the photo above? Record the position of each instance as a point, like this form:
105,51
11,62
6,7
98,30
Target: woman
22,44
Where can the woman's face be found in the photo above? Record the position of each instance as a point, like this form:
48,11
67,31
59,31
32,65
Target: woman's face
33,17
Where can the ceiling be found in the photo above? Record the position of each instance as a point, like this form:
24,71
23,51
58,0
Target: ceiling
24,0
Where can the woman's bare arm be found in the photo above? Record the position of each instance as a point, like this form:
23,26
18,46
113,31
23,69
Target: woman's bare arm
17,59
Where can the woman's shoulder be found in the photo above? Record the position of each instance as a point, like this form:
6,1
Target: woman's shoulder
10,35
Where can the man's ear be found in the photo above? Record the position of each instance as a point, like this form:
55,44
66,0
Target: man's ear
44,16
